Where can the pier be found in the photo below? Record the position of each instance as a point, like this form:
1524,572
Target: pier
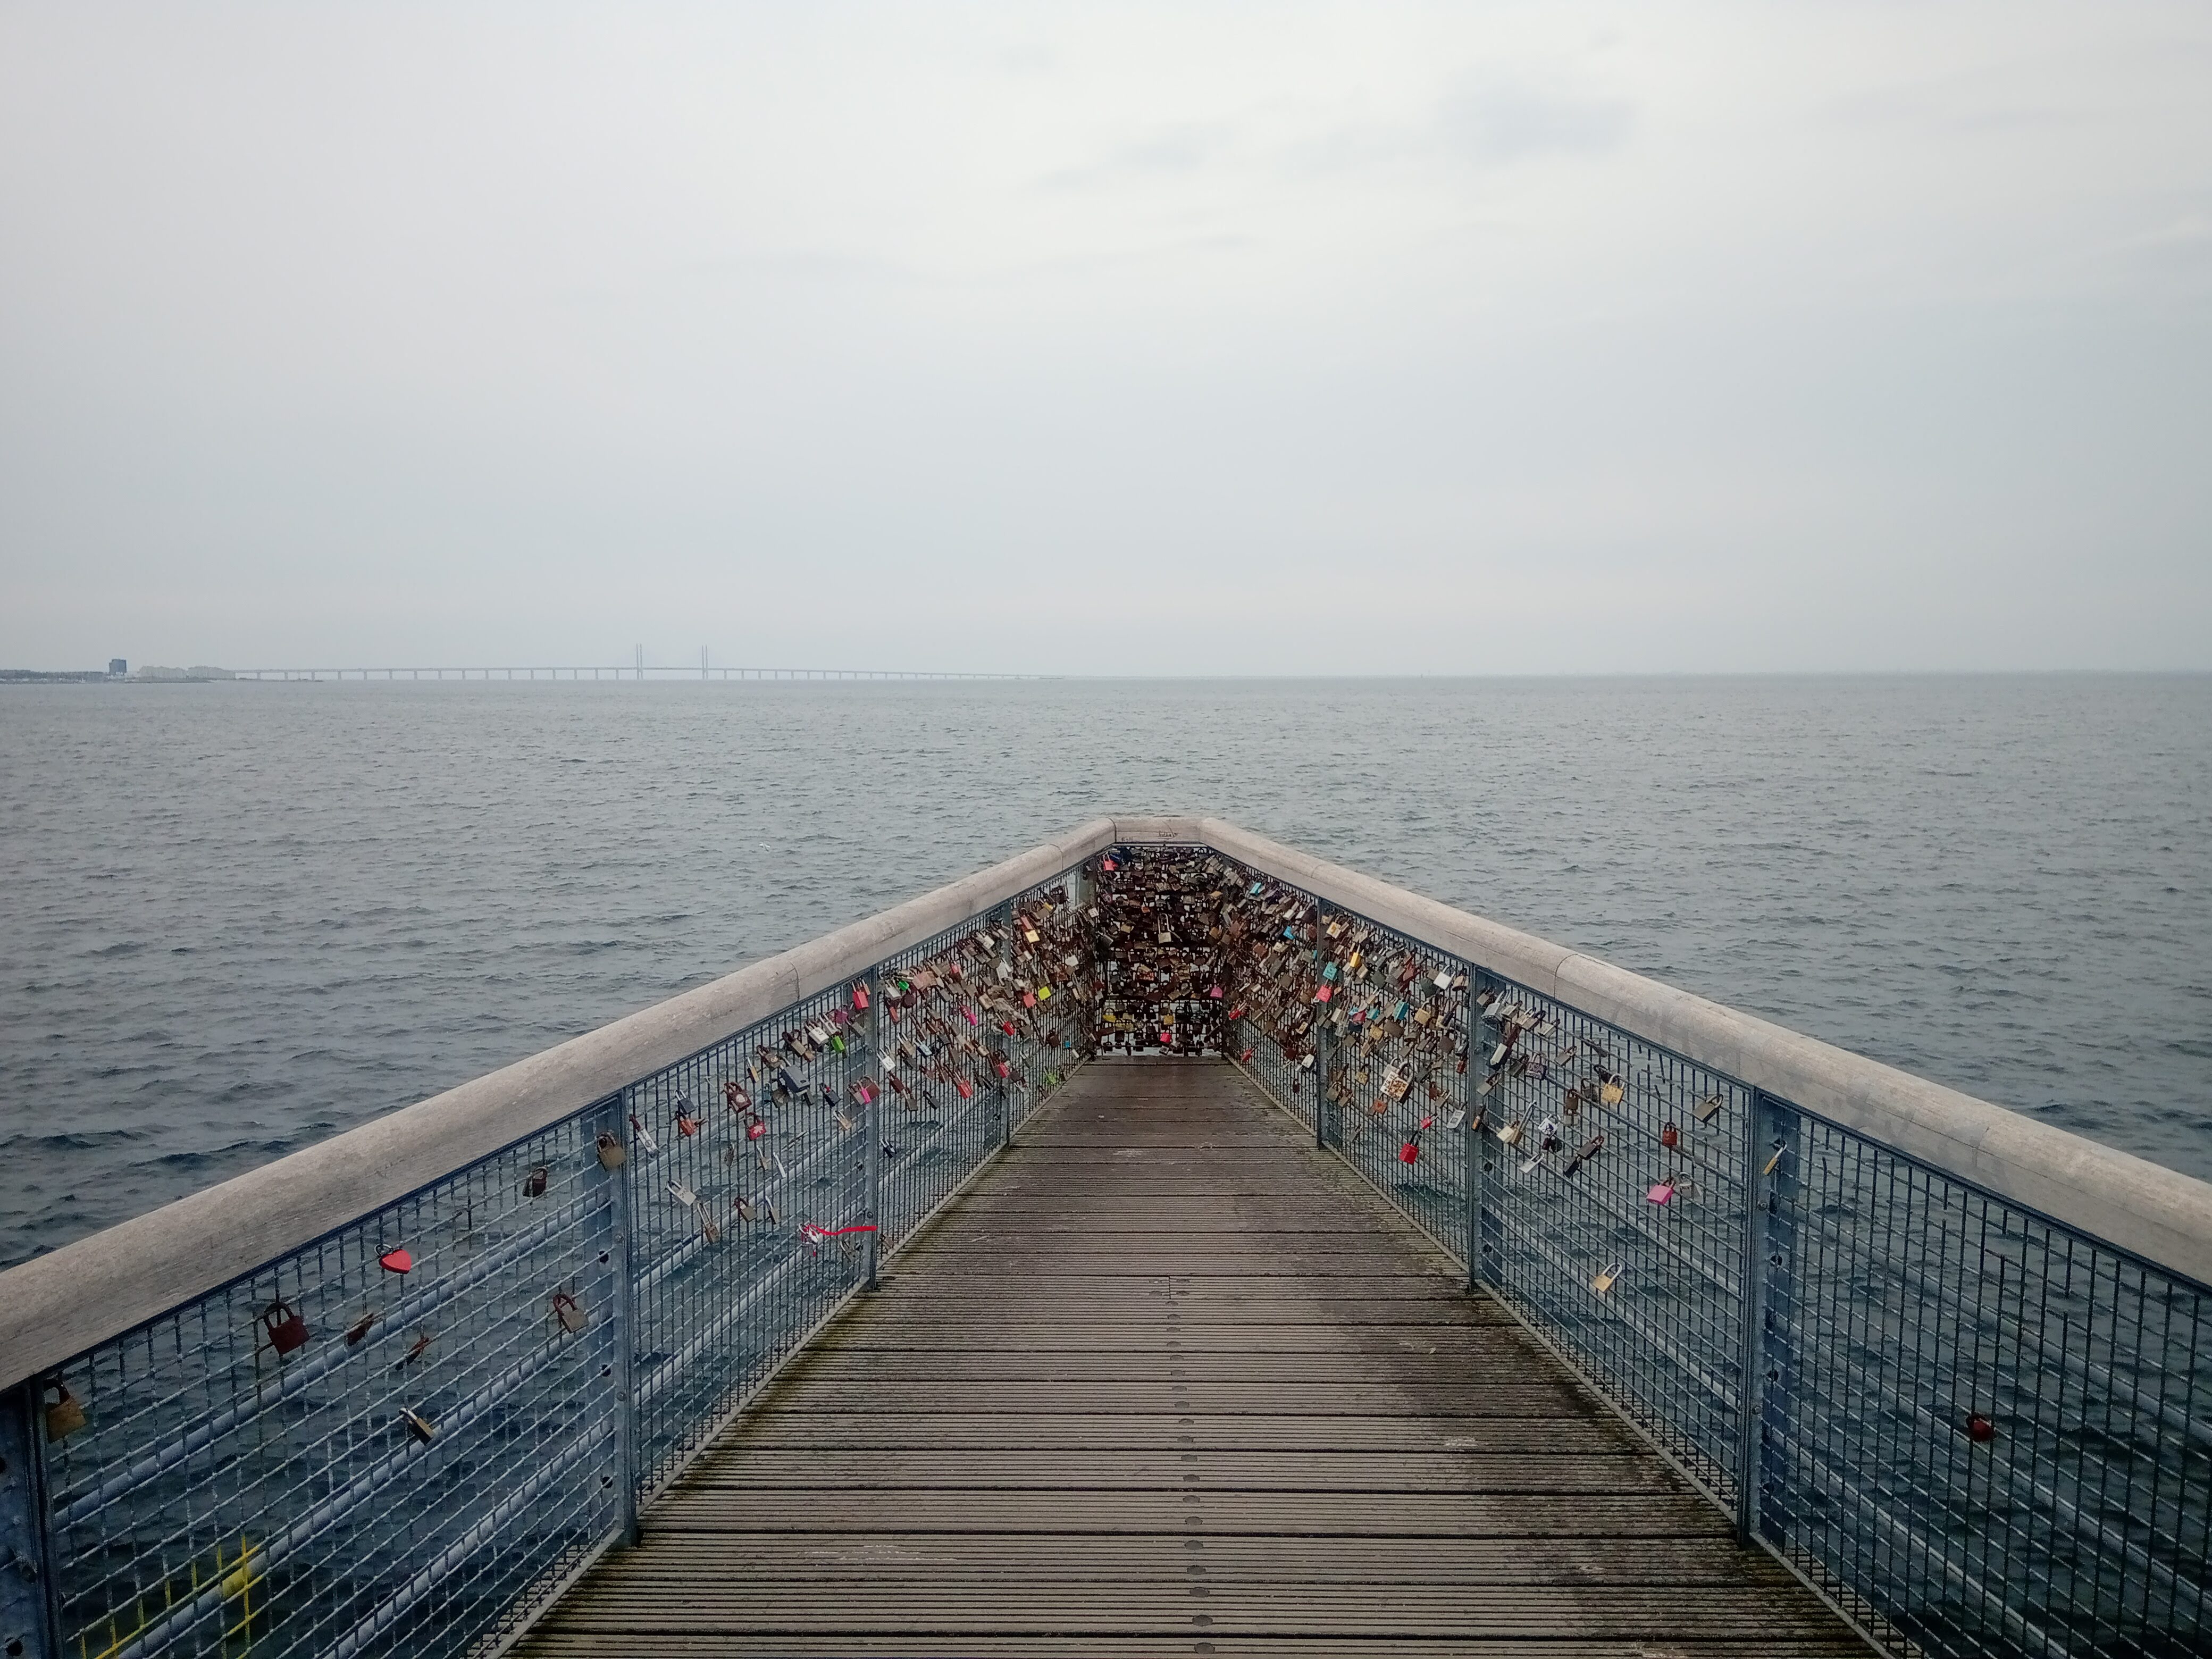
1162,1242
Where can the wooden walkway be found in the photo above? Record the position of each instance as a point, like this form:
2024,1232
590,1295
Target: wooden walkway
1167,1380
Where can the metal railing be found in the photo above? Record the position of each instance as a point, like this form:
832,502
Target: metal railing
409,1433
392,1394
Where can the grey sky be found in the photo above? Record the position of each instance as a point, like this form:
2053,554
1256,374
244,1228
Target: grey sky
1186,339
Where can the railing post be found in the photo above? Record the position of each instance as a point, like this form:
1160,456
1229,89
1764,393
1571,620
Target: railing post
1003,920
27,1625
1324,1039
1324,1070
1771,1144
612,1120
872,1126
1471,1124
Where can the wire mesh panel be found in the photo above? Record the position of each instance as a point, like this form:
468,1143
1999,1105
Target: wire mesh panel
1995,1431
746,1169
379,1444
976,1026
1613,1215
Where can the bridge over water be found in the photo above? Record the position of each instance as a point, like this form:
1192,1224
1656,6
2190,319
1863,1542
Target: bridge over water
1163,1242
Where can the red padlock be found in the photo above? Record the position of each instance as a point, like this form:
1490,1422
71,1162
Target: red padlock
1669,1135
859,998
286,1330
754,1128
1980,1428
1410,1152
396,1261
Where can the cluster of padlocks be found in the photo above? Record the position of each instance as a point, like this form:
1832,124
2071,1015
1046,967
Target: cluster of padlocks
1400,1050
971,1016
1158,929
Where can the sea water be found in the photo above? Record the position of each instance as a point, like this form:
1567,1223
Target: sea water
238,918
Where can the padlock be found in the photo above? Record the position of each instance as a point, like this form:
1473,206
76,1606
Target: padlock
1591,1149
1663,1192
612,1153
64,1417
569,1311
685,1125
1510,1135
396,1261
1604,1282
359,1328
1710,1107
1669,1135
534,1184
416,1350
286,1329
645,1136
859,997
419,1426
1980,1428
1410,1152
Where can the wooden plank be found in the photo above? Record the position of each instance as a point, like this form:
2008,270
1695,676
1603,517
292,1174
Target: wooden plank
757,1468
1166,1380
1106,1431
1607,1516
772,1557
638,1642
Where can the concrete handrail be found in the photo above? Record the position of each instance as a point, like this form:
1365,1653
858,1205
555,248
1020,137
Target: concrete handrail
2156,1212
56,1306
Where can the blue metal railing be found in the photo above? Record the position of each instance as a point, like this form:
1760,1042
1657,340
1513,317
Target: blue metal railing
1975,1430
409,1436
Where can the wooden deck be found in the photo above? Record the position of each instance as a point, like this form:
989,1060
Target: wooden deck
1167,1380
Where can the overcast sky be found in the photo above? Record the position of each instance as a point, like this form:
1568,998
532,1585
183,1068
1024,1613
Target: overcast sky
1210,338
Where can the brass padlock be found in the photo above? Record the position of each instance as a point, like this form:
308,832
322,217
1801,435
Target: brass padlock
420,1426
612,1153
569,1311
64,1417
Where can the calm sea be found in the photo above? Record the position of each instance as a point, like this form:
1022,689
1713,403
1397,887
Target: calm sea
239,918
